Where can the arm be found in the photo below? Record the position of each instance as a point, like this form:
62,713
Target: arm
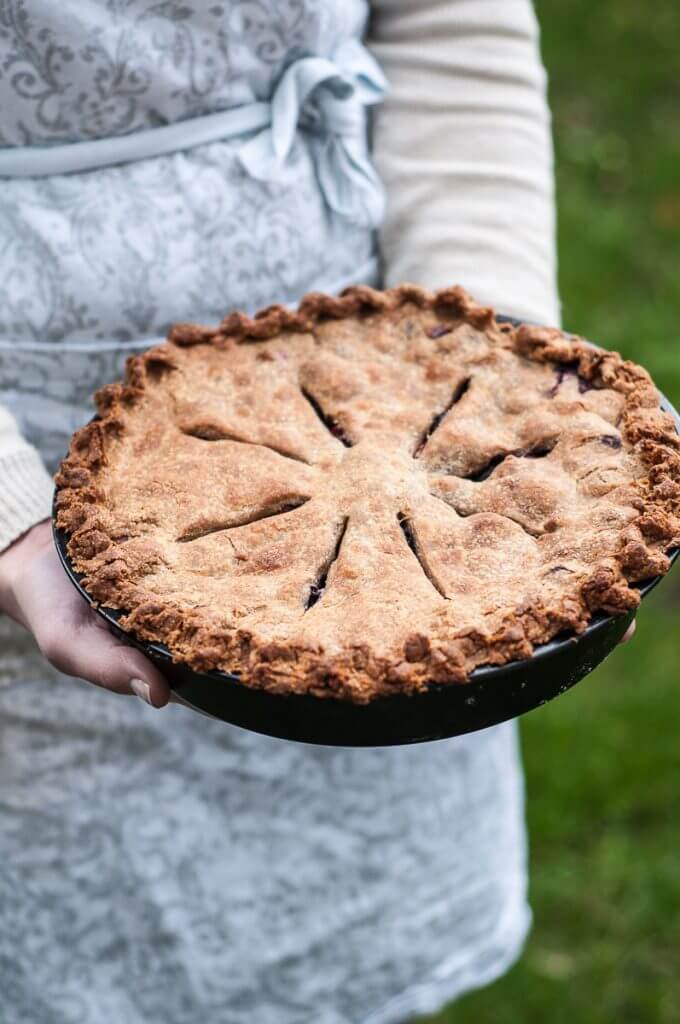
463,144
26,491
36,593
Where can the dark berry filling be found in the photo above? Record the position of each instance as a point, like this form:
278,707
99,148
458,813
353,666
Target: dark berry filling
569,370
436,420
410,538
439,330
538,451
317,588
329,422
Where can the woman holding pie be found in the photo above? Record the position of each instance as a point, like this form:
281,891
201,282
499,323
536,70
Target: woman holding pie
165,163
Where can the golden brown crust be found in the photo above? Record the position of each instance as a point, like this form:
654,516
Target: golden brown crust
226,486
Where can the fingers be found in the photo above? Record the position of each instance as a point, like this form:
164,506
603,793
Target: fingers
74,639
89,651
630,632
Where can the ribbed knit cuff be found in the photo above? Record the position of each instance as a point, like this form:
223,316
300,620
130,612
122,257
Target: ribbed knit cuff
26,490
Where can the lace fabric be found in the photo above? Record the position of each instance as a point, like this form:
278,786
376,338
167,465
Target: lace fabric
162,866
166,867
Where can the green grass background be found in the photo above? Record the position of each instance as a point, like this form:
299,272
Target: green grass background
603,762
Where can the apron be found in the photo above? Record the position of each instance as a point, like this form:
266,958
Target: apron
161,866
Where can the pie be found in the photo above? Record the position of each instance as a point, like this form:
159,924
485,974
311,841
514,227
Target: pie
370,494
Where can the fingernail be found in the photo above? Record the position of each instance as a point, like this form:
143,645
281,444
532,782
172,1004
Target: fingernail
141,689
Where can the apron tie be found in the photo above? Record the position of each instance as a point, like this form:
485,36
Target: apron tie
327,98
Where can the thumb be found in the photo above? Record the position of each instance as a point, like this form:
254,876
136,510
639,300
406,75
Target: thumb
93,653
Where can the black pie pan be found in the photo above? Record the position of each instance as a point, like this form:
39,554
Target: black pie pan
493,694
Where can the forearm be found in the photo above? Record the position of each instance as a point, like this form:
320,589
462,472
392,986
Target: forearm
33,541
463,144
25,485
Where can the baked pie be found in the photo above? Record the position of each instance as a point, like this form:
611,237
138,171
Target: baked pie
371,493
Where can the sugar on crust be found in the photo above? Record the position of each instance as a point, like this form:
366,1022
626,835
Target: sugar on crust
371,493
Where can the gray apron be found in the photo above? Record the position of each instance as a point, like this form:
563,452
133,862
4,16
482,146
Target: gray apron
161,866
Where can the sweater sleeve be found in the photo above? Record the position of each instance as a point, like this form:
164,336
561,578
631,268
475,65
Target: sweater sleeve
463,144
25,485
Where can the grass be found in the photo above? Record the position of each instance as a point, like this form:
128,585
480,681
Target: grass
603,762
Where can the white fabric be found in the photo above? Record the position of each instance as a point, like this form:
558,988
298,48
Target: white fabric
330,97
463,145
165,867
25,486
122,251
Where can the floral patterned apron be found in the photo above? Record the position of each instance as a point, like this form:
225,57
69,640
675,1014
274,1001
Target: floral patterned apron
161,866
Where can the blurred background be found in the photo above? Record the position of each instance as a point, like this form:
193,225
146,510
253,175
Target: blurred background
603,762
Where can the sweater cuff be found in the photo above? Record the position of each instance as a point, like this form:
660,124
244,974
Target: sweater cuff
26,491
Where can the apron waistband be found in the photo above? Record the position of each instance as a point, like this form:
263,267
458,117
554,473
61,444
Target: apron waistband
76,157
335,116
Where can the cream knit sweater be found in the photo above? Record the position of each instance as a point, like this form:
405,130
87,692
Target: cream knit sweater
463,145
25,484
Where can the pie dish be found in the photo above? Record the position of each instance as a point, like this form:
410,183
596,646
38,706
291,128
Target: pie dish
370,495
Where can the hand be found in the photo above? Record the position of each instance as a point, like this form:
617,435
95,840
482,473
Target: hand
36,592
629,634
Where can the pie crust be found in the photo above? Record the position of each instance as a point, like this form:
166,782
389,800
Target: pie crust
369,494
